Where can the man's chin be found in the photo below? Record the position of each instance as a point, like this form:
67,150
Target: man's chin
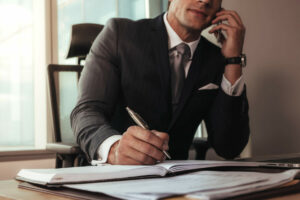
196,27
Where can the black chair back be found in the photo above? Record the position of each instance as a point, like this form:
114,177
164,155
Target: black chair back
83,35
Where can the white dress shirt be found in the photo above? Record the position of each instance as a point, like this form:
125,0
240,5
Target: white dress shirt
233,90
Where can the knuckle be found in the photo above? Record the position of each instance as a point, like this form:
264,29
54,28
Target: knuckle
160,143
131,129
167,137
124,140
121,141
148,136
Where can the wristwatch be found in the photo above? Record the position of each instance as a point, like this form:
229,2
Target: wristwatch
242,60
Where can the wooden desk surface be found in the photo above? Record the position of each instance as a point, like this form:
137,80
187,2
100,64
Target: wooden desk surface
9,190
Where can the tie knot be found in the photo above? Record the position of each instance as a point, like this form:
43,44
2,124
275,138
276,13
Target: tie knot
184,50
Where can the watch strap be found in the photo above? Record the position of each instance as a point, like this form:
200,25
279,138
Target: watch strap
241,60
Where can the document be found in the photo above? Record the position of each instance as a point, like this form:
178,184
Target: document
202,184
273,181
106,172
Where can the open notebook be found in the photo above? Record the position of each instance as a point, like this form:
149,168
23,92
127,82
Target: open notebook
119,172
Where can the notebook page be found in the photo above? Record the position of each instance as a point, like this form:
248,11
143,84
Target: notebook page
88,173
183,165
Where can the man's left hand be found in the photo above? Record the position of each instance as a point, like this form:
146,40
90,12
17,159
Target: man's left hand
232,46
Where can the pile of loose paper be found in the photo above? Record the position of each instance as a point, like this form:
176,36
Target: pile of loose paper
138,182
202,184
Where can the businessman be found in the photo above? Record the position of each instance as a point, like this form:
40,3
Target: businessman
165,71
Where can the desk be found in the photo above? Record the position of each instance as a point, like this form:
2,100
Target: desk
9,190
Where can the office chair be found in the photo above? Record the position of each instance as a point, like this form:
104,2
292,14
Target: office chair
63,84
200,144
83,35
63,81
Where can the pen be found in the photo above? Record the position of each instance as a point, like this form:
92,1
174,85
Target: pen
140,122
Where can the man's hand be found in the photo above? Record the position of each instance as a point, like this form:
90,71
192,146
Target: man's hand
232,46
139,147
235,30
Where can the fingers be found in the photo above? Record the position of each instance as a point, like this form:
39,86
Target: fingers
124,160
224,27
145,148
232,17
164,137
139,146
231,13
140,157
231,20
147,136
220,37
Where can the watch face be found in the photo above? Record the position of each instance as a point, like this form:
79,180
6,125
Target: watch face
243,60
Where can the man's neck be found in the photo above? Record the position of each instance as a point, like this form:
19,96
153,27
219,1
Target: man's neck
185,34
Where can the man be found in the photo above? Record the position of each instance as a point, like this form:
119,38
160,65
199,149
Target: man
162,69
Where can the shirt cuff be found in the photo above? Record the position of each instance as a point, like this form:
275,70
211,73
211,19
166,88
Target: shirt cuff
233,90
104,148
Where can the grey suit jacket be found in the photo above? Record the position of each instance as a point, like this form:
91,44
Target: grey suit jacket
128,65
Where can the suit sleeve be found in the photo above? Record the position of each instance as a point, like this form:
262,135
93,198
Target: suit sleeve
228,124
99,87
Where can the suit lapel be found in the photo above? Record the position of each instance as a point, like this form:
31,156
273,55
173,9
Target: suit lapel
161,56
196,74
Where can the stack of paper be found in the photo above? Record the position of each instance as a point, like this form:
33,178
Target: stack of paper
203,185
138,182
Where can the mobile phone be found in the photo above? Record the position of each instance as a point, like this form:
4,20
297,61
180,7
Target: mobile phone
219,32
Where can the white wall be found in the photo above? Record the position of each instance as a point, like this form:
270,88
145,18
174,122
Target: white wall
273,72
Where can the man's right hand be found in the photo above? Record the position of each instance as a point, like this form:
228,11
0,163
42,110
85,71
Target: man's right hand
139,147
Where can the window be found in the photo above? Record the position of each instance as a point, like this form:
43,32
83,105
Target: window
16,73
25,50
19,62
71,12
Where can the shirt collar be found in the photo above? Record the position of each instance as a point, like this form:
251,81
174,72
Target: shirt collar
175,40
